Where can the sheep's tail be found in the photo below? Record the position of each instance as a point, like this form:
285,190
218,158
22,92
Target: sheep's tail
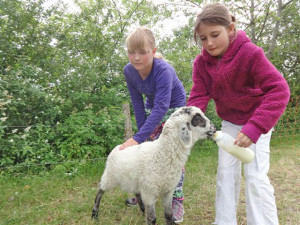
107,181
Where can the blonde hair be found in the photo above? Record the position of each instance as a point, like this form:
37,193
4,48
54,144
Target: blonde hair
141,38
214,13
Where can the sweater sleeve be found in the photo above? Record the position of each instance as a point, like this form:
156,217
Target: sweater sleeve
276,95
199,95
162,101
137,103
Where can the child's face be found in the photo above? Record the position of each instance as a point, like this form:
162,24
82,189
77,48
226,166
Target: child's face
215,39
142,59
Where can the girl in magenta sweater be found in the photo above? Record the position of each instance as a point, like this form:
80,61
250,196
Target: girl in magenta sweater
250,96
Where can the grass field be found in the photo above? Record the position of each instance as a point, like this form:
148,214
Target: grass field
58,197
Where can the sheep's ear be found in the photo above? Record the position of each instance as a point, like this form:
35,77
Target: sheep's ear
185,135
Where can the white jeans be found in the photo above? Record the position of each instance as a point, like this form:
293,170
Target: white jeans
260,200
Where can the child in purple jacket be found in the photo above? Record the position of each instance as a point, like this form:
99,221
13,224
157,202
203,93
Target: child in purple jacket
149,75
250,96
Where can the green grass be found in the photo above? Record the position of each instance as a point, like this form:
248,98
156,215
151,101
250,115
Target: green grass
56,198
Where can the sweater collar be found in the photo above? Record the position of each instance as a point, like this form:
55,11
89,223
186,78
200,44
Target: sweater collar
232,49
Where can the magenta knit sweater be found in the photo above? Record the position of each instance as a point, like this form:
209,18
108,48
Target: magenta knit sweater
246,88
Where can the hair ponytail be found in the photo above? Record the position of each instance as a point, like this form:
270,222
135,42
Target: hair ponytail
158,55
233,18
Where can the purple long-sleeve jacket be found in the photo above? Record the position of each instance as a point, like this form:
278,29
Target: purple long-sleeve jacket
163,90
247,89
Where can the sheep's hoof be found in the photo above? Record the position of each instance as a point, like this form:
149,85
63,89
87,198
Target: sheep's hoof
95,215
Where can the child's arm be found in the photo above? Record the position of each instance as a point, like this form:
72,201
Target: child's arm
137,102
162,101
276,95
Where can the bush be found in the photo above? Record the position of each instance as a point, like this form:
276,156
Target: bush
89,135
83,135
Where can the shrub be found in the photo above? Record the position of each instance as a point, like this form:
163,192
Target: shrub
90,135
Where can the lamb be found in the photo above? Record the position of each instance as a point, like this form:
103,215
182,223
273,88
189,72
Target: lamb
153,169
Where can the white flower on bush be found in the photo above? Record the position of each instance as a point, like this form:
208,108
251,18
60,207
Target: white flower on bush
11,140
61,100
3,119
90,106
27,129
14,131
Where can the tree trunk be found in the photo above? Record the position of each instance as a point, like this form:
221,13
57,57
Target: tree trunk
275,31
252,22
128,125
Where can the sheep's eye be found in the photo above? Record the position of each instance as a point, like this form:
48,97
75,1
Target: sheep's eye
198,120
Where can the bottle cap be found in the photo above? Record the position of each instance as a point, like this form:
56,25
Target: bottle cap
218,135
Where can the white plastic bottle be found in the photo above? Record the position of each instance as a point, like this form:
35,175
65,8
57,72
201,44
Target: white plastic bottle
226,142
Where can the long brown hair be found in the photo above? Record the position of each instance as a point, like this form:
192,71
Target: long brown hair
213,13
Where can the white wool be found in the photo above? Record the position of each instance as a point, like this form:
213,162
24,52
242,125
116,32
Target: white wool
154,168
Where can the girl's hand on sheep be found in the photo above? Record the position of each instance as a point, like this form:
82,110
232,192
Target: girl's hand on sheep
128,143
243,140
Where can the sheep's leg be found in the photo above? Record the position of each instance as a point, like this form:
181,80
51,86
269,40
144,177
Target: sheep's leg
141,204
167,203
97,203
150,214
149,203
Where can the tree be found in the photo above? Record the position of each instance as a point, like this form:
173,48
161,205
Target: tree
272,25
275,27
62,69
61,72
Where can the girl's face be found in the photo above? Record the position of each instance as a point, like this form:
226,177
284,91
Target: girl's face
215,39
142,60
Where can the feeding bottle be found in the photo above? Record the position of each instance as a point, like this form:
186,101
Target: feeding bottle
226,142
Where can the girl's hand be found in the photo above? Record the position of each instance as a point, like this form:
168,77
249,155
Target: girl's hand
243,140
128,143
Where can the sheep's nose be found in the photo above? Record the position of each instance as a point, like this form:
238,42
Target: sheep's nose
212,130
213,127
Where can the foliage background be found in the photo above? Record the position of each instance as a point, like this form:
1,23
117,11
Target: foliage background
61,81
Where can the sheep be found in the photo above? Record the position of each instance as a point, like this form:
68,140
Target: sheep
153,169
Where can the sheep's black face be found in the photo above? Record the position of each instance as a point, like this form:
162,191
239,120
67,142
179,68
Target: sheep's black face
198,123
202,124
192,124
198,120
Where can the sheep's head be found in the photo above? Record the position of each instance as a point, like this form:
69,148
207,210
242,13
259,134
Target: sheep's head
192,125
